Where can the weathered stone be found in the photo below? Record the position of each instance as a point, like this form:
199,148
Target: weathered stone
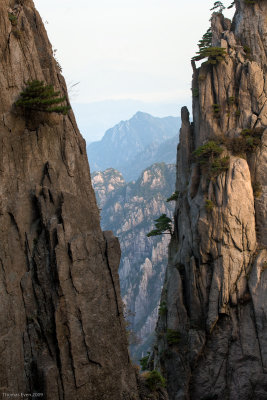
215,286
61,320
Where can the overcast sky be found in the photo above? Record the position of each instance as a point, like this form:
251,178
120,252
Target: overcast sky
126,49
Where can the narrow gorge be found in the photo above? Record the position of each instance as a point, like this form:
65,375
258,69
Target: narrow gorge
63,333
129,210
212,337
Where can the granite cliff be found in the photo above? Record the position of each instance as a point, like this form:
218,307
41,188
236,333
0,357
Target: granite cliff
212,337
62,332
129,210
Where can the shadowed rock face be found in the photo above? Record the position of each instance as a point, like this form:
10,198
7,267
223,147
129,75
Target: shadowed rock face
212,340
61,326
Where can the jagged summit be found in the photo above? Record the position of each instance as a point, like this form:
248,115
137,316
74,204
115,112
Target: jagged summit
212,338
142,115
133,145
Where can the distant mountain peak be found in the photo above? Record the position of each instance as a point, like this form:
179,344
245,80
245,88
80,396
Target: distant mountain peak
141,115
132,145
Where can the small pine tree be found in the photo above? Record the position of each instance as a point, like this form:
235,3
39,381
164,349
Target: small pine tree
205,42
218,5
173,197
163,226
40,97
144,362
213,54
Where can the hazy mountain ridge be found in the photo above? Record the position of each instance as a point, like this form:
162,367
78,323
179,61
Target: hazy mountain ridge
132,145
97,117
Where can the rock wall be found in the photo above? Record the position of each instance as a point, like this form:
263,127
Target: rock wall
61,320
212,338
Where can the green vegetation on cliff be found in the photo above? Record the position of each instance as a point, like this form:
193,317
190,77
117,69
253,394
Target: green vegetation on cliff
37,96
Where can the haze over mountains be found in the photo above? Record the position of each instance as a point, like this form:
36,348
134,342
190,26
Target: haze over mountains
95,118
133,145
136,149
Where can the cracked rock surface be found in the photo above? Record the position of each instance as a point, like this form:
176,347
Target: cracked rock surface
212,337
62,331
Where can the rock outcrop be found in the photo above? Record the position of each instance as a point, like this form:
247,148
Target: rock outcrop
129,210
212,338
62,331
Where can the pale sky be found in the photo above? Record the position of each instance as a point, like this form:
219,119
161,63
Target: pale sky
126,49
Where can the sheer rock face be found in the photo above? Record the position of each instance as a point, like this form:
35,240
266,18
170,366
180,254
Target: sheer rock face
216,280
61,326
